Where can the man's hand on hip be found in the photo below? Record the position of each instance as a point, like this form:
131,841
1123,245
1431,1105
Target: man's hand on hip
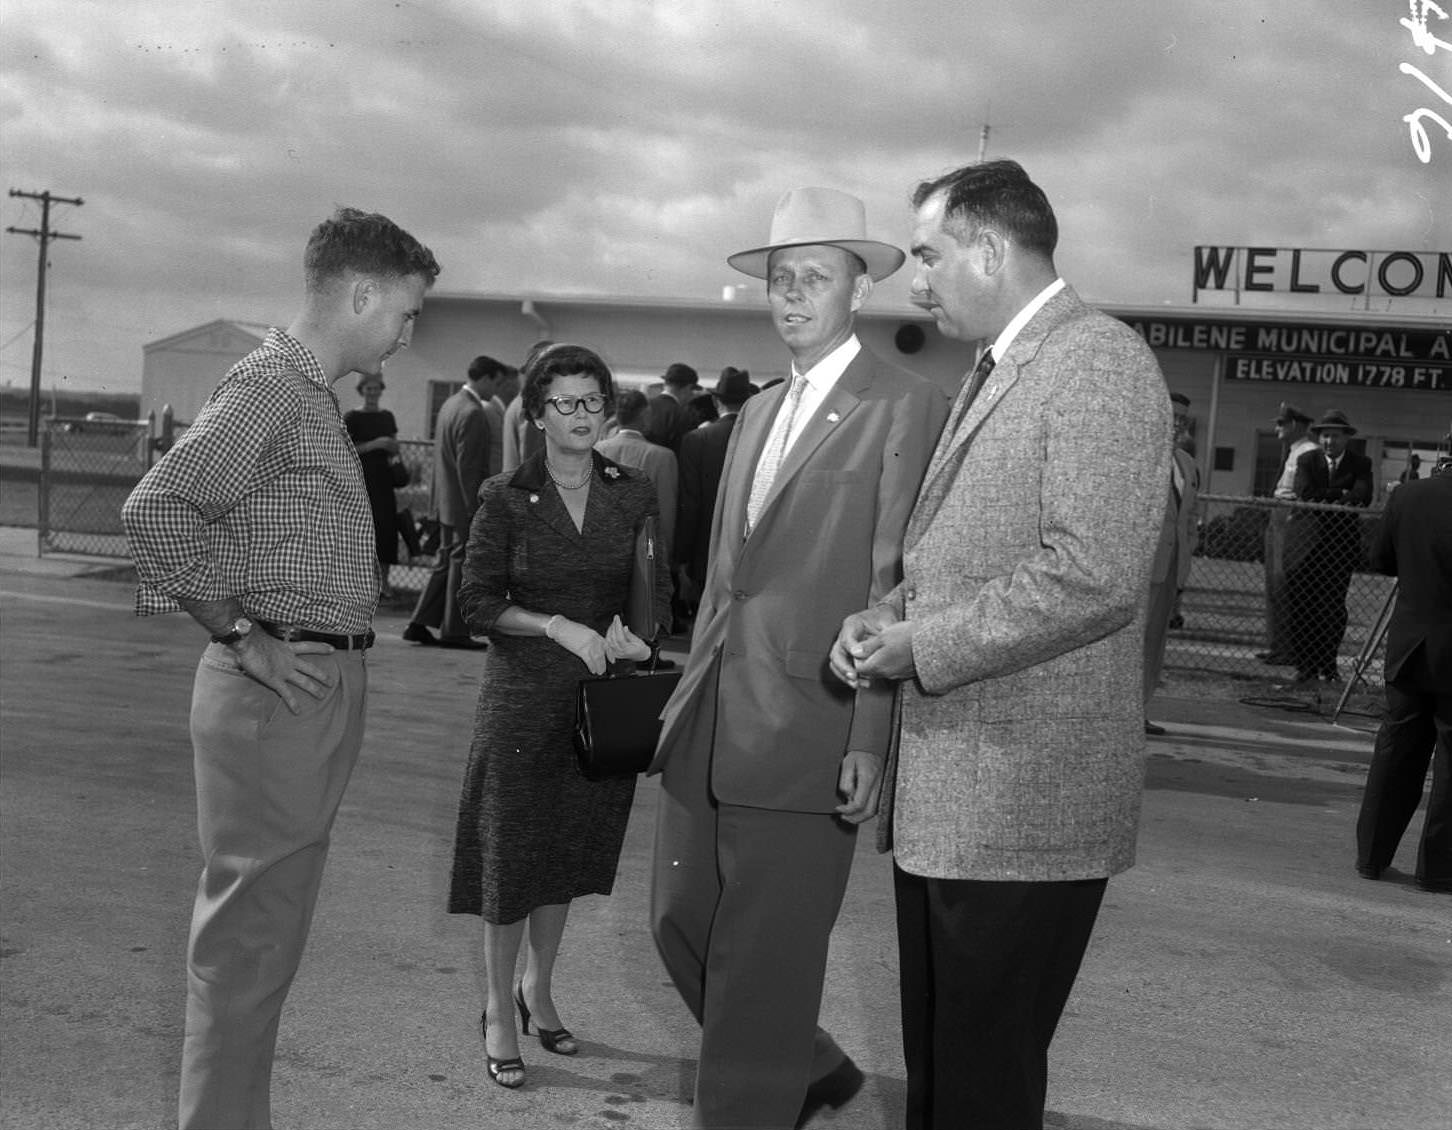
280,666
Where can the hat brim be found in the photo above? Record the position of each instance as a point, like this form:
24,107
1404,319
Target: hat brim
1347,428
882,259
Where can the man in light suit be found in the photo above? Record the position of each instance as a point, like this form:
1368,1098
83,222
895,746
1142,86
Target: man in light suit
629,447
1414,544
768,763
461,463
1017,636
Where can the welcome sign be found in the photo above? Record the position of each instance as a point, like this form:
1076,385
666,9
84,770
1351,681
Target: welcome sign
1302,270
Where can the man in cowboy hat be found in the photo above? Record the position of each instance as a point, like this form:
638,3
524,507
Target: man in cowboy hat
1283,540
1316,586
768,764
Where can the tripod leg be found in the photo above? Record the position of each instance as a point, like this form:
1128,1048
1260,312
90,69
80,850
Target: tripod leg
1368,649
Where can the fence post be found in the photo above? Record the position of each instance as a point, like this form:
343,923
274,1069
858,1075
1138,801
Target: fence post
42,517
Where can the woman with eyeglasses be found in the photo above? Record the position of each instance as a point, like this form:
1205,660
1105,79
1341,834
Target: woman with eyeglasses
546,575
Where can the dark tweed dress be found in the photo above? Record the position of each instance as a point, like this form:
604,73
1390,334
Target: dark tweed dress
532,831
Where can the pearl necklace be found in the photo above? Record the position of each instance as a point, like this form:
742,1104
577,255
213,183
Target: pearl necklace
559,482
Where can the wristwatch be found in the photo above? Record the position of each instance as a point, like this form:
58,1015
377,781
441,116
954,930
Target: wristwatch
240,628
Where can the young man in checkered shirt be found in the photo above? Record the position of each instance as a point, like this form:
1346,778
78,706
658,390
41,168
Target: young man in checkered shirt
257,524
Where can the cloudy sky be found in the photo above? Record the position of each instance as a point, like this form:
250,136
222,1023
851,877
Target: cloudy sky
627,146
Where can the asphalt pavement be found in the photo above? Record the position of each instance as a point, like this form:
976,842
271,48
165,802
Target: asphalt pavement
1242,974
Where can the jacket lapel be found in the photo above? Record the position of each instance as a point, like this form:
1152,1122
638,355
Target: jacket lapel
1006,371
839,403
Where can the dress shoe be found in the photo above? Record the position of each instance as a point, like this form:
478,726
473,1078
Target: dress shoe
1436,886
665,664
561,1041
834,1089
1152,730
1367,871
1303,681
462,643
1275,659
497,1067
417,633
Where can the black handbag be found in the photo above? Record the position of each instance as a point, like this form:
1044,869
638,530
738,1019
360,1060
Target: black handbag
617,721
402,476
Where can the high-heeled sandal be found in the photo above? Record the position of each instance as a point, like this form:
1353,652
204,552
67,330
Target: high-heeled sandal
549,1038
496,1067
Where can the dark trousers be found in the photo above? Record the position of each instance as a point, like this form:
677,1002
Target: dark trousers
742,906
1416,732
1316,606
438,604
985,969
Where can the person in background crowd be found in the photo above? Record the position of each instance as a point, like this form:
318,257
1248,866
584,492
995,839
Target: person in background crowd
257,524
768,766
629,447
669,419
1016,639
1173,556
462,446
494,408
521,440
374,433
1413,543
547,572
1316,586
1288,539
702,457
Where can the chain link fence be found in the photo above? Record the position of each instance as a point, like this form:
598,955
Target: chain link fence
1279,589
1275,588
87,468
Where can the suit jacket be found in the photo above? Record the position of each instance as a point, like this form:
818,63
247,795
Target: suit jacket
461,459
702,458
827,543
1413,543
668,421
494,415
1350,484
1021,750
1178,531
631,449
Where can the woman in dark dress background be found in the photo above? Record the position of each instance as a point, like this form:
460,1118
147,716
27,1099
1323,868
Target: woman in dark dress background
375,434
547,573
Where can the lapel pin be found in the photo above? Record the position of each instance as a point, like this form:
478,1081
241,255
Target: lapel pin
832,417
534,498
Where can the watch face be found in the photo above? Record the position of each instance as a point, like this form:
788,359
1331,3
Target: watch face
242,625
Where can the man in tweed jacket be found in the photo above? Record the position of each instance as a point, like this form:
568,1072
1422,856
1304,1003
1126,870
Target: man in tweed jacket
1017,633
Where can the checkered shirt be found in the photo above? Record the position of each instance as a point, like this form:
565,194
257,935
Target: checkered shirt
261,499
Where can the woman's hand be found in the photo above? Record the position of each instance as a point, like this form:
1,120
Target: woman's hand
583,642
622,643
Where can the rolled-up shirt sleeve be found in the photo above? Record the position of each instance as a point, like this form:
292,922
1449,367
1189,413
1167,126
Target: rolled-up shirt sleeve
237,440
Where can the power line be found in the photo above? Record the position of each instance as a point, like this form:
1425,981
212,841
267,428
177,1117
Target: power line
44,235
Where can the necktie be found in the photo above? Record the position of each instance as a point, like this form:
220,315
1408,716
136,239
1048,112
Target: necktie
972,388
776,447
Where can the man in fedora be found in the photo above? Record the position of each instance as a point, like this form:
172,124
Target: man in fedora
1283,542
702,457
768,763
1316,586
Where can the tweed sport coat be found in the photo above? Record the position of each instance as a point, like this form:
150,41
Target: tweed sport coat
828,542
1025,573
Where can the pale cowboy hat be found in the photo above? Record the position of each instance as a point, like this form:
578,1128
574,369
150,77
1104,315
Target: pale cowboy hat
812,216
1334,420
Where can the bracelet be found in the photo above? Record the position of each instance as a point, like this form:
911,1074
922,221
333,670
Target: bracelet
549,625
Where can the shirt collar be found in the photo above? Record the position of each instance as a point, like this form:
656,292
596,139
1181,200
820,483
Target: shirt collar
298,355
1021,319
823,375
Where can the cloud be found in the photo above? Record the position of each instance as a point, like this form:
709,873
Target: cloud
628,146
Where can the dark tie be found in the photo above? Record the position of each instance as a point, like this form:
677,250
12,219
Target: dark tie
972,388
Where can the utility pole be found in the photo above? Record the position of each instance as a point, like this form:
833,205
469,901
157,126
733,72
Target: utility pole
983,136
44,235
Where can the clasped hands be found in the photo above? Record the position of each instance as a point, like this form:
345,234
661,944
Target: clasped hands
595,651
873,644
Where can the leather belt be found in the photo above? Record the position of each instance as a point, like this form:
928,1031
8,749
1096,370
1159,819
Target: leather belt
295,635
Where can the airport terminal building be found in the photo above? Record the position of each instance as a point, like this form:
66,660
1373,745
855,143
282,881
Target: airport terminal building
1391,373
